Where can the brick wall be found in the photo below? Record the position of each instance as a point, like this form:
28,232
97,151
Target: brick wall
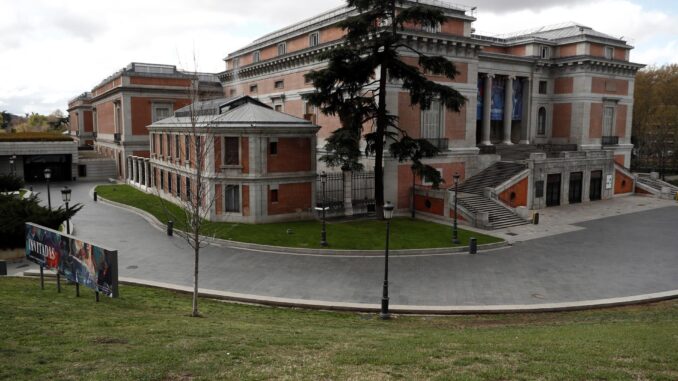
290,198
520,191
294,154
562,116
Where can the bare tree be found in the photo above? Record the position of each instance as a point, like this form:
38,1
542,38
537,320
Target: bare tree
195,199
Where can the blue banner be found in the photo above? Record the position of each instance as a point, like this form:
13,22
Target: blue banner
498,92
517,99
78,261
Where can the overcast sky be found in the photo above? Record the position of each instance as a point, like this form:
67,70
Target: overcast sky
53,50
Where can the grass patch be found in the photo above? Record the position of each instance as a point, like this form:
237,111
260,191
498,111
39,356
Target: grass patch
147,335
354,235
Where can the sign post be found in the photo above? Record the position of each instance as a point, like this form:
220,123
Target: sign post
80,262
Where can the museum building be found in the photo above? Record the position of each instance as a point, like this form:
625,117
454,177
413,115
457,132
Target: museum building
547,121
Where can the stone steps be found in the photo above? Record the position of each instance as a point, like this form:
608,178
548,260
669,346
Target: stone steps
499,216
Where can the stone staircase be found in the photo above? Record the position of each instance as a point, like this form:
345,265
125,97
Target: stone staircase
472,195
499,215
657,185
491,177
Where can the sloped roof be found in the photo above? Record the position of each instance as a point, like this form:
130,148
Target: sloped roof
241,112
251,113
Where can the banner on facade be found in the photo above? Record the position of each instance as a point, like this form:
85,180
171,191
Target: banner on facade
78,261
481,92
498,98
517,99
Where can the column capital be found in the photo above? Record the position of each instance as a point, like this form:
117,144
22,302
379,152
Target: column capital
489,75
511,77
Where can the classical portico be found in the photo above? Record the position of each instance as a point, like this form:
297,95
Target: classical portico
505,102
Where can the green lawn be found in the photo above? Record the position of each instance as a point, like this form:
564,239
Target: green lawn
147,335
357,235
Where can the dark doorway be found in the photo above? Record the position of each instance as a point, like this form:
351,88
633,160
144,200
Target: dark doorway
553,190
60,165
596,188
575,187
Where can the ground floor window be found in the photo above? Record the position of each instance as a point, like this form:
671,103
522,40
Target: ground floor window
179,186
232,198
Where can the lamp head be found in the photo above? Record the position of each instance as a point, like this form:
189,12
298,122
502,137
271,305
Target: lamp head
48,173
456,177
388,210
66,194
323,177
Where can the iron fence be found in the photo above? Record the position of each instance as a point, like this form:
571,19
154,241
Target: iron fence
362,193
333,194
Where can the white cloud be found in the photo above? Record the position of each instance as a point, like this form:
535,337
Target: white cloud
55,49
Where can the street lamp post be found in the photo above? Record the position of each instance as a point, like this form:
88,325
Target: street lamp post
388,214
455,233
66,197
323,232
48,175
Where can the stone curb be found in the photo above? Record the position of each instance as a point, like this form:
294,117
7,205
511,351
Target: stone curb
295,250
398,309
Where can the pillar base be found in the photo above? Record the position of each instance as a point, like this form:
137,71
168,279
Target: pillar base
486,143
524,142
507,142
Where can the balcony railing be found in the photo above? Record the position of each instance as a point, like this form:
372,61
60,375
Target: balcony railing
440,143
610,140
116,137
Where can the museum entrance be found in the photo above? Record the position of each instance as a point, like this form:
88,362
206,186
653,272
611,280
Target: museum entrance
553,190
35,165
595,189
575,187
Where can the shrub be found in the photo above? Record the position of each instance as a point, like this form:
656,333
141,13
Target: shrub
9,183
15,212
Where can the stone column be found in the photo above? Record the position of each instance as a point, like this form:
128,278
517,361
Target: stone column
487,110
142,177
149,175
129,168
526,118
508,110
135,165
348,192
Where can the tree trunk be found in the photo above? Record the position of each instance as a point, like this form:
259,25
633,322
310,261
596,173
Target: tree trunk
379,146
195,312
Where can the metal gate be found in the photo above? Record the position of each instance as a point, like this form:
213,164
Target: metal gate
332,194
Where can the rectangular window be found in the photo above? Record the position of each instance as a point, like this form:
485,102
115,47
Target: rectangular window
273,148
313,39
118,118
545,52
179,186
608,121
274,195
231,150
432,121
254,88
162,179
279,84
543,87
177,147
437,28
161,111
187,148
256,56
168,149
282,48
278,107
609,52
169,182
188,188
231,198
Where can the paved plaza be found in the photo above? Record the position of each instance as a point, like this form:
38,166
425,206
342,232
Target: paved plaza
569,257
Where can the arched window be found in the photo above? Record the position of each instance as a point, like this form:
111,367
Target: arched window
541,121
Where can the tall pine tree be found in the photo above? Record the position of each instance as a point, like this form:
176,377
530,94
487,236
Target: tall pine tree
353,88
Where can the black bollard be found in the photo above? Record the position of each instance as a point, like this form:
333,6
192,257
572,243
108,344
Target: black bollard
3,268
58,282
77,290
170,228
535,219
473,246
95,196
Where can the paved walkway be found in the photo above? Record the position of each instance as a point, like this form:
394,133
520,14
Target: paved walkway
617,256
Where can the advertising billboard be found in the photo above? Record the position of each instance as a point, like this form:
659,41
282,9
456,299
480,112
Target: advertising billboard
78,261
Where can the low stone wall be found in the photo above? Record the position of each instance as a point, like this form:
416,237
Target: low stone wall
12,255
